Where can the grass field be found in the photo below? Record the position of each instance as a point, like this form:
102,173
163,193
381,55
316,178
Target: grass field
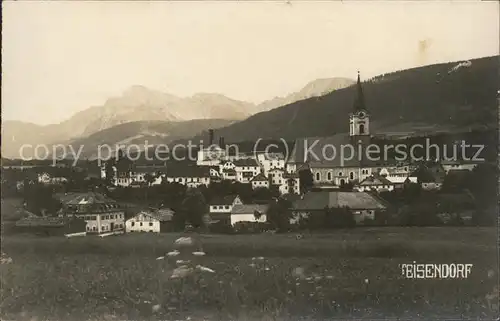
344,274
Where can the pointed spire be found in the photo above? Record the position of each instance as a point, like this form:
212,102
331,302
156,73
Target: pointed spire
359,101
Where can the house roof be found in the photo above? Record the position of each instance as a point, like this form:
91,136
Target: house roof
188,171
259,178
150,169
375,180
229,171
353,200
226,200
457,162
249,209
88,198
38,221
162,215
246,162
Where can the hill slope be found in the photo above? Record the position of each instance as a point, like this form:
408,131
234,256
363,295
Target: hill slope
139,103
443,96
314,88
142,133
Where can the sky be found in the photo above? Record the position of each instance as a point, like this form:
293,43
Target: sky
59,58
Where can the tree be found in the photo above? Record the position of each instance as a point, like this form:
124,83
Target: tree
110,172
194,207
279,214
483,183
149,179
174,194
262,194
306,180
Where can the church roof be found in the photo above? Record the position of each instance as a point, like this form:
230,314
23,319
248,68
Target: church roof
259,177
353,200
373,180
330,152
359,100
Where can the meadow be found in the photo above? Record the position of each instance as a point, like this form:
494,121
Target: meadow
339,275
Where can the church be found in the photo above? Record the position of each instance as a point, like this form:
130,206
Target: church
344,158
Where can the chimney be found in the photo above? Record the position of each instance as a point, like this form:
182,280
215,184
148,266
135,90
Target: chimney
210,137
221,142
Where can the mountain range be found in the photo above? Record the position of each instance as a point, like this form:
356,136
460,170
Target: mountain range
141,106
455,96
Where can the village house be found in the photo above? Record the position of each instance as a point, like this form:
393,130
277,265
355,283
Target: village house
102,214
46,178
152,221
189,175
276,176
456,165
363,205
375,183
228,174
246,169
259,181
141,173
269,161
249,213
220,208
213,154
51,226
290,184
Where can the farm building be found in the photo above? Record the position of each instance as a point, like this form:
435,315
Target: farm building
51,226
362,205
156,221
102,214
221,207
249,213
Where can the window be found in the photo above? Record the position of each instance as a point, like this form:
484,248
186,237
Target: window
227,207
329,176
94,228
93,218
318,176
150,224
351,175
132,224
141,223
340,173
361,129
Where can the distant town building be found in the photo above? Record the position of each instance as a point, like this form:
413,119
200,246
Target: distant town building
51,226
246,169
102,214
249,213
363,205
153,221
260,181
290,184
220,208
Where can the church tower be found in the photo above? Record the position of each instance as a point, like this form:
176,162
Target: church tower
359,119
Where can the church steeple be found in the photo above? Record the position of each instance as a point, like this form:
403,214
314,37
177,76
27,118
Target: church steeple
359,119
359,101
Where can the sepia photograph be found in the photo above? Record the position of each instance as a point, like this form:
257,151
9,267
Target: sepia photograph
250,160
